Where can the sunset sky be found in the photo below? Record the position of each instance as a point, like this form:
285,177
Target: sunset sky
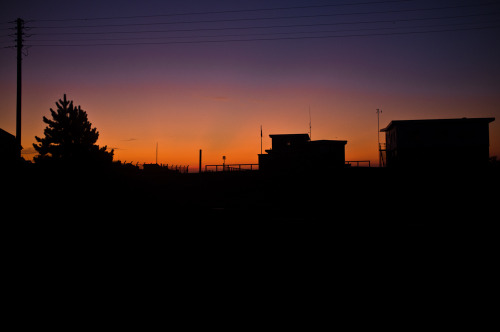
193,75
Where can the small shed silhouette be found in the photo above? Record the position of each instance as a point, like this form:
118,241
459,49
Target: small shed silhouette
296,152
438,143
9,148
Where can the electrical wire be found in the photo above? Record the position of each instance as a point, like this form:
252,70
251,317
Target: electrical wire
237,35
268,26
272,39
224,11
262,18
489,23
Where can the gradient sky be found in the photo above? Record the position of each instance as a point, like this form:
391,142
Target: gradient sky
182,88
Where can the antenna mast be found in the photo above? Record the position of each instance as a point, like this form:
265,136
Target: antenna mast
310,128
260,139
378,126
380,150
156,153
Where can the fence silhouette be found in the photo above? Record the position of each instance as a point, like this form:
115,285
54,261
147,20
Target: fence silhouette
222,167
231,167
350,163
254,167
160,167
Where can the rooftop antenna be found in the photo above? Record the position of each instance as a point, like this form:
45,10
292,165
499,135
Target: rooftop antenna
310,128
200,163
260,139
378,125
156,153
380,150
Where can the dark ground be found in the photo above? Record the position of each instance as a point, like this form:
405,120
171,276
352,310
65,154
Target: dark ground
352,211
366,246
371,199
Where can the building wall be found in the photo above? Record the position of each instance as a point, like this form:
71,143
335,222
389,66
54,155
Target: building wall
9,149
286,143
445,135
436,143
298,153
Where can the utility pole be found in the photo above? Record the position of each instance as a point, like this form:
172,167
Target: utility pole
19,40
378,138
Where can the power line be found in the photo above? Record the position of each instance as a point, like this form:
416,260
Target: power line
273,39
268,35
264,18
224,11
269,26
273,33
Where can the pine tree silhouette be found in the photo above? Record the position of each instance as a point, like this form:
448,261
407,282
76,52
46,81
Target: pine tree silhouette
69,137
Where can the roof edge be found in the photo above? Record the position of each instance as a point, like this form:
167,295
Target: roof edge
272,135
394,122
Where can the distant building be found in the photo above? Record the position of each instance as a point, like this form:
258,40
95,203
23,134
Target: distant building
438,143
9,148
296,152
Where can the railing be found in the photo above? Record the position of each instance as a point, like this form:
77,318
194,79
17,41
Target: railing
382,154
350,162
165,168
231,167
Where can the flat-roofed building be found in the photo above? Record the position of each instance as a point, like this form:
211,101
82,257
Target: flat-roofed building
296,152
437,143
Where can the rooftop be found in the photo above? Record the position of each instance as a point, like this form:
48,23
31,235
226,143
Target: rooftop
304,136
6,135
437,121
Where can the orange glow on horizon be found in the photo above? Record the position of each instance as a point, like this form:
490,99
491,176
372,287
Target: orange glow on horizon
224,124
208,79
222,114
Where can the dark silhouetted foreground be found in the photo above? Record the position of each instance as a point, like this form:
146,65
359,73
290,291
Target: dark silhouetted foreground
119,196
360,232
